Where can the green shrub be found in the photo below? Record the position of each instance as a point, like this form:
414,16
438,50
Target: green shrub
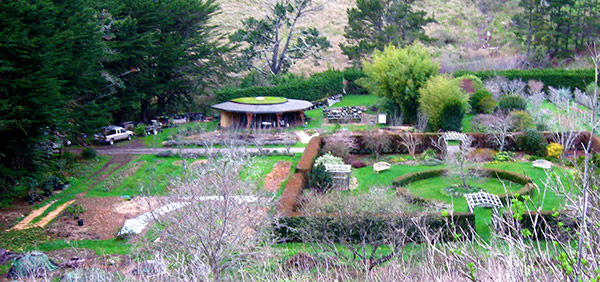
504,156
452,115
513,102
319,179
520,120
438,92
428,154
487,105
532,142
576,78
140,130
477,97
351,75
318,86
88,153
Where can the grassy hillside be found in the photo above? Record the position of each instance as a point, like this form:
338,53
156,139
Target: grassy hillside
459,35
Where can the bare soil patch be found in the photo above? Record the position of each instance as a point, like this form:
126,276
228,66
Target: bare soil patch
281,171
103,217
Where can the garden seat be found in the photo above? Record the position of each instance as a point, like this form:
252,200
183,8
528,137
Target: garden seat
542,164
381,166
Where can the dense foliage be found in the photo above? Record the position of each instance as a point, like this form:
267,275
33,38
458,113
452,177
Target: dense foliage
397,74
532,142
373,24
513,102
317,87
442,98
577,78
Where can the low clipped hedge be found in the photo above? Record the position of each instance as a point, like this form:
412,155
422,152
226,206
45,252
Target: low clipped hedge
444,228
318,86
291,192
401,181
351,75
419,175
311,152
556,78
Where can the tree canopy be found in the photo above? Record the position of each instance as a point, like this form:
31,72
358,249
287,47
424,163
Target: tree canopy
397,74
442,99
274,42
373,24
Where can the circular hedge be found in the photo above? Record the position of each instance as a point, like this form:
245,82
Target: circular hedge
458,190
406,179
260,100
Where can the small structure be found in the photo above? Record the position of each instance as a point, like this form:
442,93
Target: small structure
541,163
340,175
35,264
262,112
344,114
485,200
454,136
381,166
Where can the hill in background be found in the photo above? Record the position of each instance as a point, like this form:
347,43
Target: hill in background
469,34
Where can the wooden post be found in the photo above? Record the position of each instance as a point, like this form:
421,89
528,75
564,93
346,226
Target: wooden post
302,117
249,119
278,117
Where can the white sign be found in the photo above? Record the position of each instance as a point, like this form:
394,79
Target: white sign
381,118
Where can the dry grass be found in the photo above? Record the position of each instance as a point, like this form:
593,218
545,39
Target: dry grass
459,21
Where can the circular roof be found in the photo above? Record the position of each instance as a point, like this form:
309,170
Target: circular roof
260,100
290,105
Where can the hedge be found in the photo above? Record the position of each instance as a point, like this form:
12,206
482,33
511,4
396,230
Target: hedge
561,224
311,152
317,87
444,227
291,192
550,77
351,75
406,179
419,175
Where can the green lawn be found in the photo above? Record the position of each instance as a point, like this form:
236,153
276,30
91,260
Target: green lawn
466,123
357,101
143,175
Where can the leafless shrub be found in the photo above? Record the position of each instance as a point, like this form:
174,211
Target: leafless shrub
410,142
439,144
376,141
515,86
496,85
535,86
339,145
422,121
221,220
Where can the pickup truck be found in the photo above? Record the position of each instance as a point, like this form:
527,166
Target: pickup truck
112,133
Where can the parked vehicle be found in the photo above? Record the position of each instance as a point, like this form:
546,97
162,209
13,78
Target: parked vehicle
112,133
153,128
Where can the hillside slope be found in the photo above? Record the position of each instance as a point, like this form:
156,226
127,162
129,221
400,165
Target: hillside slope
461,38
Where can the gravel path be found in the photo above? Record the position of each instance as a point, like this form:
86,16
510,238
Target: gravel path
199,151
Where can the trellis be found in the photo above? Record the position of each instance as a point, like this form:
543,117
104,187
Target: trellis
485,200
340,175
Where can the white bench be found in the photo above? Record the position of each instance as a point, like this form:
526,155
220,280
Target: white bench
381,166
542,164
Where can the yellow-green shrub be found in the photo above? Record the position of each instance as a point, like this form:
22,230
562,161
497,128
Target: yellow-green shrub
555,150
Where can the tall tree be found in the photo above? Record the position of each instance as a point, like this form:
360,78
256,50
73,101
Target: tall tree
49,53
164,53
373,24
270,41
397,74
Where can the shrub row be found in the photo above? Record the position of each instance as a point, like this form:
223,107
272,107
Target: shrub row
443,228
317,87
550,77
481,140
311,152
415,176
291,192
506,175
559,225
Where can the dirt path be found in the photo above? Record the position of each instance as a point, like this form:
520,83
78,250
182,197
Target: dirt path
280,172
51,215
24,224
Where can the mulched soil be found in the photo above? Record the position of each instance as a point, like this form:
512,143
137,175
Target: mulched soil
103,218
281,170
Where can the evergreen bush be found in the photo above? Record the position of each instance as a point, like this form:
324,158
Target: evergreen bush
319,179
88,153
532,142
452,115
513,102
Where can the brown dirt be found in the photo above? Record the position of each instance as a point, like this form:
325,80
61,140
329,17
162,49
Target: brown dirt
51,215
30,217
280,172
103,217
